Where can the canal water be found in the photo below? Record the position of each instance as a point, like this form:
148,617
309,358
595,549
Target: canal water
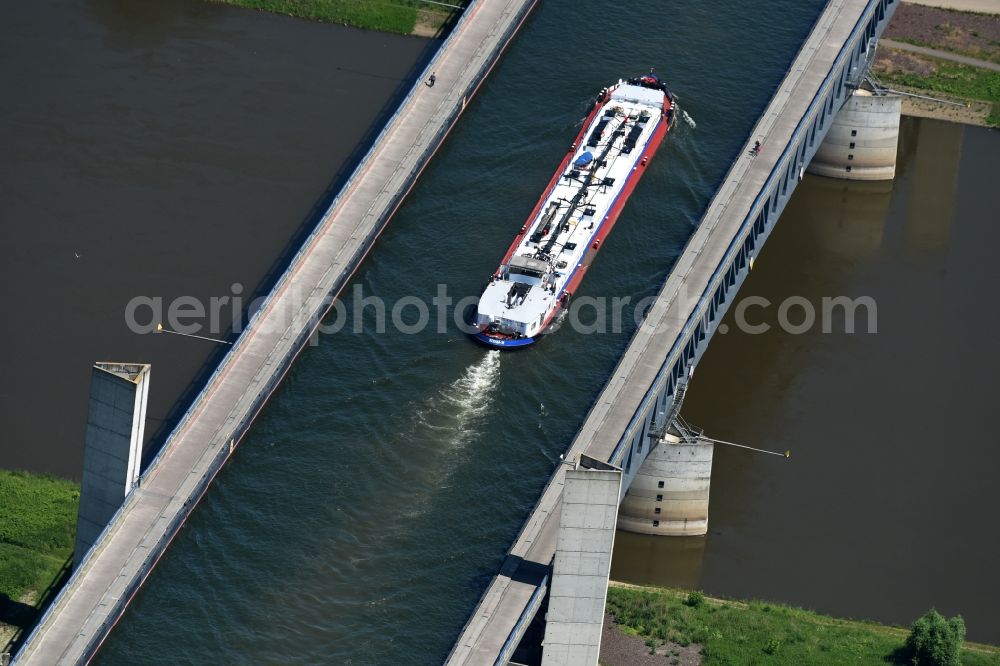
888,504
363,515
372,502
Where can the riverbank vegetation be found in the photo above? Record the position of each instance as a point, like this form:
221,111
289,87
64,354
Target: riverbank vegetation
405,17
37,534
975,88
731,632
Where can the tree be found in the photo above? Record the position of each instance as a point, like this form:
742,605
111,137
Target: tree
935,641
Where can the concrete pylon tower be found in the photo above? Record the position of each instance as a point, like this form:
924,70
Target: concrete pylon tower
116,420
582,564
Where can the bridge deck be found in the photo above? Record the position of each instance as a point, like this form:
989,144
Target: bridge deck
501,606
95,597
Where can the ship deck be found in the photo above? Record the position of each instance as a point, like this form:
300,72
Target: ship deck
578,208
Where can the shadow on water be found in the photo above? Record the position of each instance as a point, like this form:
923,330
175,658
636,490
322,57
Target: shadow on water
285,256
660,561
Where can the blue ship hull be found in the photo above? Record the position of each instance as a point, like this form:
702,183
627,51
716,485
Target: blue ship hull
503,343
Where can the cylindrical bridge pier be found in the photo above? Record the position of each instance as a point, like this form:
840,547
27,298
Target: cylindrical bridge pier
669,494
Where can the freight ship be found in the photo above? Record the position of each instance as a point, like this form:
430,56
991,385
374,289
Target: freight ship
551,253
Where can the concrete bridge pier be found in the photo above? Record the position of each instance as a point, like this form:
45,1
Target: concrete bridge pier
669,494
861,143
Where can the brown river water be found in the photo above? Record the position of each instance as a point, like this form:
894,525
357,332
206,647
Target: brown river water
158,149
889,500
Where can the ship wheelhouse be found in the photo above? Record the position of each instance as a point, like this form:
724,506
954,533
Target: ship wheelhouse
525,269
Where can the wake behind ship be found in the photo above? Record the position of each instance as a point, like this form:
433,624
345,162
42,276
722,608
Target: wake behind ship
550,254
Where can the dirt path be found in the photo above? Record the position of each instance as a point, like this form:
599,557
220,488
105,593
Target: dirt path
943,55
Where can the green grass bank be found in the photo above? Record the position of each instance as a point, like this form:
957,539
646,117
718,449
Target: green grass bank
953,80
405,17
732,632
37,535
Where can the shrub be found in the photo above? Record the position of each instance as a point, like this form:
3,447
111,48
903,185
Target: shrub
695,599
935,641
